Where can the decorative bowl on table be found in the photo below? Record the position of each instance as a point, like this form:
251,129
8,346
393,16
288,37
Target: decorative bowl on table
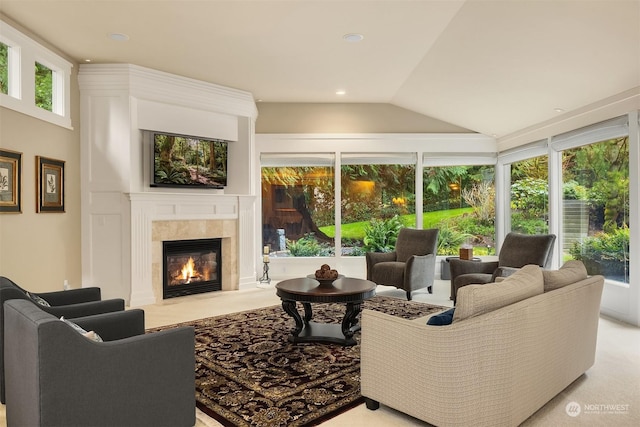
326,276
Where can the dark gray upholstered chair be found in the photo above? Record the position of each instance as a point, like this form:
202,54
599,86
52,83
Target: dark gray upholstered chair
411,266
70,304
58,377
517,251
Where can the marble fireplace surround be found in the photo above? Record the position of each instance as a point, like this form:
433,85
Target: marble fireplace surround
156,217
195,229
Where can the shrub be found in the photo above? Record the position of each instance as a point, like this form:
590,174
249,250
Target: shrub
381,235
529,195
604,253
308,246
450,239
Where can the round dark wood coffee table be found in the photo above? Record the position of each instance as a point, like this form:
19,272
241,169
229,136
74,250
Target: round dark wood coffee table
310,291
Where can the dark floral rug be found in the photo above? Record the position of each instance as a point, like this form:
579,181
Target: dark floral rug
248,374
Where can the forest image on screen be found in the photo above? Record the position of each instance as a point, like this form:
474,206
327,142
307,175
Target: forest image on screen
189,161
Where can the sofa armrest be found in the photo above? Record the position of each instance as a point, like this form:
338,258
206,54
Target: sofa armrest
86,308
114,326
72,296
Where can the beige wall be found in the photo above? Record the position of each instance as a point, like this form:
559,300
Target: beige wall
346,118
40,250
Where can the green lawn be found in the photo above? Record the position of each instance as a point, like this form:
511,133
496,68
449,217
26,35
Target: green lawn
355,230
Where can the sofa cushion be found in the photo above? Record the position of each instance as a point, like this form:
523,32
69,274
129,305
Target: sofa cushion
572,271
440,319
474,300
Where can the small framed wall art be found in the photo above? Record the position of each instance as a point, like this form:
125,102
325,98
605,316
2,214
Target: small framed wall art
50,183
10,181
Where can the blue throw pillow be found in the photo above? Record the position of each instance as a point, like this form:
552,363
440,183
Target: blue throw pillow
444,318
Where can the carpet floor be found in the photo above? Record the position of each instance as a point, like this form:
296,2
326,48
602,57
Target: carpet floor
248,374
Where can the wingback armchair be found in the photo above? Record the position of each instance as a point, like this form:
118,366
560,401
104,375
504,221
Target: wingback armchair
58,377
411,266
517,251
70,304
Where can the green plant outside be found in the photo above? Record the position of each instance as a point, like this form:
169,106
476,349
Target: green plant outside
604,253
356,230
4,68
308,246
44,87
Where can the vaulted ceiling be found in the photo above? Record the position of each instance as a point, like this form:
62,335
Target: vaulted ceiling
494,67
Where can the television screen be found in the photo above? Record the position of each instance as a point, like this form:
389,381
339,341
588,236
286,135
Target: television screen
185,161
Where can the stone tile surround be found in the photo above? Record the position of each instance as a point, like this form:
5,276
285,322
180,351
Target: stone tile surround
226,229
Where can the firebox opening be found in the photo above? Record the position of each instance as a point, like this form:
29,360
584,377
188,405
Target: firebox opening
191,267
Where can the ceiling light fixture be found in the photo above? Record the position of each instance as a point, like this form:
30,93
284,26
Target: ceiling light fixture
353,37
340,92
119,37
559,110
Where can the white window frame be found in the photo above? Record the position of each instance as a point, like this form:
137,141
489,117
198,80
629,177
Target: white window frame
23,54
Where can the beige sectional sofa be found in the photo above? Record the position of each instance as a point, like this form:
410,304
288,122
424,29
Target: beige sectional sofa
511,348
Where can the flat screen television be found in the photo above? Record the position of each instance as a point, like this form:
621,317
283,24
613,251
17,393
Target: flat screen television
188,161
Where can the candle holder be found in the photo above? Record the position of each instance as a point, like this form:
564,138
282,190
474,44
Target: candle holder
265,270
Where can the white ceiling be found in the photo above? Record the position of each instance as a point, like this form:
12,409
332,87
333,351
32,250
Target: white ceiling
494,67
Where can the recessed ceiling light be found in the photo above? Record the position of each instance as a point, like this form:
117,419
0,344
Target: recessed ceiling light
559,110
119,37
353,37
340,92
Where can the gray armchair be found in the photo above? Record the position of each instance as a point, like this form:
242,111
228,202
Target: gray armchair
411,266
57,377
70,304
517,251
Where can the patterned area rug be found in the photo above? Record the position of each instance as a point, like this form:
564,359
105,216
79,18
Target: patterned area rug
248,374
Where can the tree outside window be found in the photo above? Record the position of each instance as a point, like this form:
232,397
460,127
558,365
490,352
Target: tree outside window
377,200
44,87
596,207
530,196
297,208
4,68
460,202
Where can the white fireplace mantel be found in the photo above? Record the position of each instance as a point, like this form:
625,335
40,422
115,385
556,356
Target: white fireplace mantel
149,207
118,103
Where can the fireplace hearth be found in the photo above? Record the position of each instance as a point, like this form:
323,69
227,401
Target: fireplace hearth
191,267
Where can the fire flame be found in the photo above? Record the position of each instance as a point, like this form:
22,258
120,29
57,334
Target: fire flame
188,270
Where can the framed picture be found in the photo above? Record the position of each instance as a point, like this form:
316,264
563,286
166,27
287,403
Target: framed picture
50,183
10,181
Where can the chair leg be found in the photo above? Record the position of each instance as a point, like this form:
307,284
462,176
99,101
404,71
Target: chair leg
408,295
371,404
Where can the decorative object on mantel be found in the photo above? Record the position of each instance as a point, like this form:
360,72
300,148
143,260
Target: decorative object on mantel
241,379
265,279
50,185
10,181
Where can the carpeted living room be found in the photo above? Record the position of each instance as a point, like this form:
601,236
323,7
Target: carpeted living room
188,165
611,381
